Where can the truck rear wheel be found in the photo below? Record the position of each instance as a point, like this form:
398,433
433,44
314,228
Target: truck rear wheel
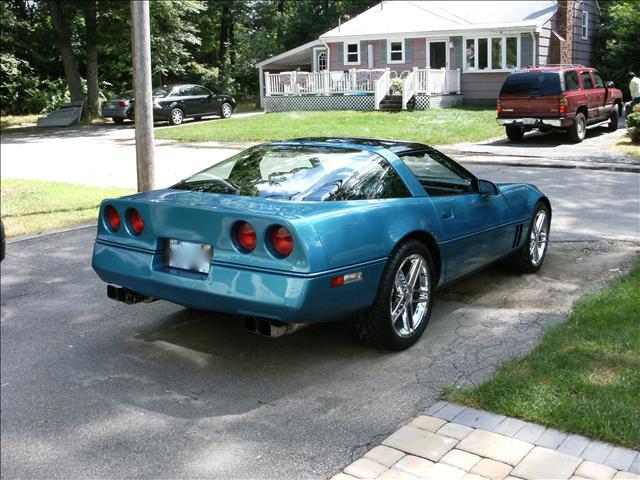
515,134
613,120
578,130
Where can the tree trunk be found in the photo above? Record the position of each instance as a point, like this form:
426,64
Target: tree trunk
224,35
93,90
63,42
232,44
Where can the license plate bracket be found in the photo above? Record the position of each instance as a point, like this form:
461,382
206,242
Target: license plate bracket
189,256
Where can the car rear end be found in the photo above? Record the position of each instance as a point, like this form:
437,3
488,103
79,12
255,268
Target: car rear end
243,256
534,98
119,108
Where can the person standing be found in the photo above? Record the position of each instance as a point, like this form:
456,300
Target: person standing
634,88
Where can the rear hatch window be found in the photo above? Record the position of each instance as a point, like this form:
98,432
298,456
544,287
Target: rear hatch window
532,83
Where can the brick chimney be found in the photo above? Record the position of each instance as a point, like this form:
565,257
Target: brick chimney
566,14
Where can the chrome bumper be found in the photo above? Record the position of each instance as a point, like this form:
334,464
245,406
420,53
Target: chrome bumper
529,122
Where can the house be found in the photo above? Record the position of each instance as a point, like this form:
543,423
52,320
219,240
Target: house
442,51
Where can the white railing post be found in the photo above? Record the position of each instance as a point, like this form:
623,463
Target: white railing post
267,84
381,88
457,80
294,84
409,87
327,82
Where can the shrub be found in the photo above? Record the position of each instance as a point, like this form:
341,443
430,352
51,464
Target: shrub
633,124
396,85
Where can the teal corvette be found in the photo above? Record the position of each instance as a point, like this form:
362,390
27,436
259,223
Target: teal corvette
319,229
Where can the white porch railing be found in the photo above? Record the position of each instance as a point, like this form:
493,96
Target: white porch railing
376,82
430,81
381,88
409,88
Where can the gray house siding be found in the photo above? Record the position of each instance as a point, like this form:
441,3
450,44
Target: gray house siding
545,41
583,49
482,86
415,56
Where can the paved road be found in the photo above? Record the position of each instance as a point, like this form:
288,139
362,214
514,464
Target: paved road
92,388
102,155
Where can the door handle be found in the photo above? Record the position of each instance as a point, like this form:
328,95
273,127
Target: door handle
446,214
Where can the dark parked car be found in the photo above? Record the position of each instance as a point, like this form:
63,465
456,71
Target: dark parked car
570,98
174,103
2,241
120,108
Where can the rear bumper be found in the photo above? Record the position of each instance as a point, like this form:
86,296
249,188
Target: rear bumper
115,113
535,122
290,298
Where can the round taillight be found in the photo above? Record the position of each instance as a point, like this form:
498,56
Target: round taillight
135,222
113,217
246,236
282,241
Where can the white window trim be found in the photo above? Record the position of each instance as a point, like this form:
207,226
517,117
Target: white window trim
402,44
489,59
584,27
346,53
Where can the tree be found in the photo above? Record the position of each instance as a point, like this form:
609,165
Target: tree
618,45
63,42
93,89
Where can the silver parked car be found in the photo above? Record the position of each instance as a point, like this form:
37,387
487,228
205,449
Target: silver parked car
120,108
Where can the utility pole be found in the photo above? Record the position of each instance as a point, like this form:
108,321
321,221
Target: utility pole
141,39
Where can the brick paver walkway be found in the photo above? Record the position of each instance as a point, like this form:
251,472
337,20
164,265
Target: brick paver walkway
452,442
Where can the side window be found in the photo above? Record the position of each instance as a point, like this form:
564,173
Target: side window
598,79
377,180
186,91
437,174
197,90
571,81
587,83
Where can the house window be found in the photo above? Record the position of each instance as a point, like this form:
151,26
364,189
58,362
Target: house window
496,53
352,54
491,54
512,52
396,51
322,61
585,25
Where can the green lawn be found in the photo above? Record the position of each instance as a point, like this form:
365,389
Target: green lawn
585,375
17,120
435,126
32,206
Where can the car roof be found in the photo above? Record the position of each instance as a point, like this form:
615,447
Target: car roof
396,146
554,68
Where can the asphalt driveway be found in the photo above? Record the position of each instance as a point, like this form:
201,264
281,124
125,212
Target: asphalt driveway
93,388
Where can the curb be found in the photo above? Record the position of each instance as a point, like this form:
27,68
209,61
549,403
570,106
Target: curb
35,236
609,167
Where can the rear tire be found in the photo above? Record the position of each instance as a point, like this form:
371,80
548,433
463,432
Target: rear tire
176,116
118,120
515,134
402,307
578,130
613,120
531,255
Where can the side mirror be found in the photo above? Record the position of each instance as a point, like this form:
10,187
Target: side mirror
485,187
610,84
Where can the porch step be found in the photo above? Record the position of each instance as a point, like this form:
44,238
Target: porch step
393,103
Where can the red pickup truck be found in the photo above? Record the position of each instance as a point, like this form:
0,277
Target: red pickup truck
571,98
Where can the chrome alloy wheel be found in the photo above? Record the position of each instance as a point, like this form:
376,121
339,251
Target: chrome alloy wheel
539,237
226,110
176,116
409,300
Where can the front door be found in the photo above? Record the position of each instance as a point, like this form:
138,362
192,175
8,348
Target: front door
437,57
319,60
